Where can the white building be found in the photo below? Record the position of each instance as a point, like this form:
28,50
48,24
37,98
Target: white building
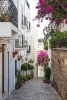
40,44
34,46
24,27
15,35
8,34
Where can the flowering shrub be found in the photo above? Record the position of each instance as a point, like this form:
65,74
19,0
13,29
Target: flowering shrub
53,10
43,58
58,39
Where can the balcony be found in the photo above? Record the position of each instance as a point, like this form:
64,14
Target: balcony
28,48
24,22
7,29
11,14
28,26
14,13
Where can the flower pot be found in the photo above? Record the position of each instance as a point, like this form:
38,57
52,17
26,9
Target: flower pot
46,81
6,18
13,55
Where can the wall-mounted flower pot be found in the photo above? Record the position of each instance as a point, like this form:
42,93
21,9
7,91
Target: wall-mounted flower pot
19,58
13,54
6,18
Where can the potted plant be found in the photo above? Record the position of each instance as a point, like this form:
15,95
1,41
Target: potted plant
6,16
19,57
24,67
47,73
19,80
13,54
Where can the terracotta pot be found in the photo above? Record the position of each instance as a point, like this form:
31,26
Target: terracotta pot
46,81
6,18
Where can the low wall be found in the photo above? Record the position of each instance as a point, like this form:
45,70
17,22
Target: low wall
59,66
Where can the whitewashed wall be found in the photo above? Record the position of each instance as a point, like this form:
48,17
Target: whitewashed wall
40,46
34,47
16,3
23,9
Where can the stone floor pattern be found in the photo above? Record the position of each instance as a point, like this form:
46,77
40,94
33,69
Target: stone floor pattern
35,89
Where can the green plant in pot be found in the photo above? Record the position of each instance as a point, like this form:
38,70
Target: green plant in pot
5,16
19,79
24,67
47,73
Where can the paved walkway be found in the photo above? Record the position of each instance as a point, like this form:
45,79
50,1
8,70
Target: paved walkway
35,89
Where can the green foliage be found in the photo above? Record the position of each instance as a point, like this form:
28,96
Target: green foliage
24,67
23,78
46,45
30,67
32,74
58,37
47,72
27,66
29,76
19,78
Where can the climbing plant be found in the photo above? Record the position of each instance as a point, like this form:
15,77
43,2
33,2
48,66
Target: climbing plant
53,10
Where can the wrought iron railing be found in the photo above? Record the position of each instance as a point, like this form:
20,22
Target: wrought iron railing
14,13
9,12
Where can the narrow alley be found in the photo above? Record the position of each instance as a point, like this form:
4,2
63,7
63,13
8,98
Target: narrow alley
35,89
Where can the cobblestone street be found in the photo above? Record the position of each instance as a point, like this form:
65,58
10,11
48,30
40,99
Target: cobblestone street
35,89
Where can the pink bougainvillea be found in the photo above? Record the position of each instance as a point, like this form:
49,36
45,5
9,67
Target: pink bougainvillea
56,8
43,57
